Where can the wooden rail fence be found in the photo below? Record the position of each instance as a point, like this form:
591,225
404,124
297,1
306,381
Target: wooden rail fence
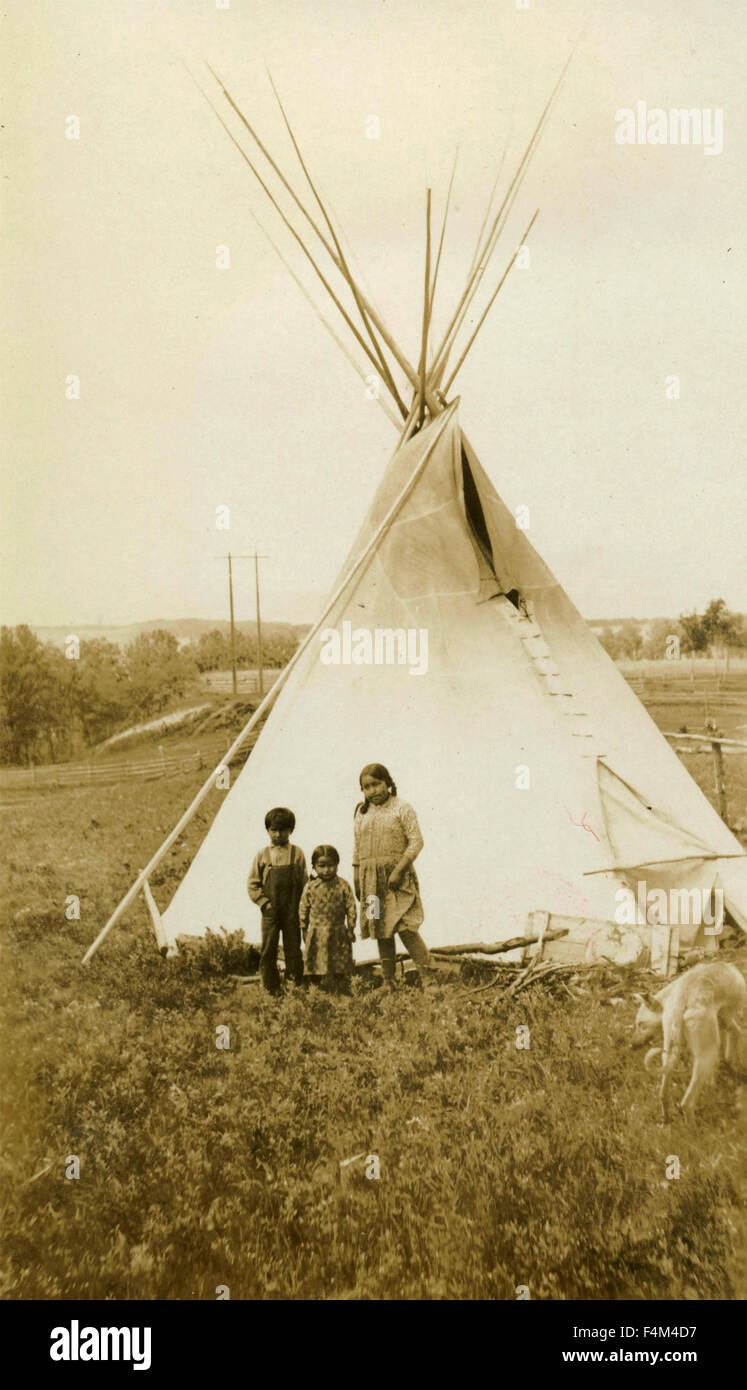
78,774
714,744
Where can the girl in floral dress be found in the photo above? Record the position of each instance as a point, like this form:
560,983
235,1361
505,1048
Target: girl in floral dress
387,840
327,916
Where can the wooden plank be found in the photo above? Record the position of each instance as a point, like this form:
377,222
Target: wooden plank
708,738
495,948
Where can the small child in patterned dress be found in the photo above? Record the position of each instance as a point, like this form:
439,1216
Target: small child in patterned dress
327,916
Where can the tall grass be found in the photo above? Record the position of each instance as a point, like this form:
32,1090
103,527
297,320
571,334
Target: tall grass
202,1167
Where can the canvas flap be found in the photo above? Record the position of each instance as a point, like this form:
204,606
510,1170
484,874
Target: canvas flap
638,834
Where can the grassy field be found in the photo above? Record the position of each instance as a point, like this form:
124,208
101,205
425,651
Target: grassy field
200,1167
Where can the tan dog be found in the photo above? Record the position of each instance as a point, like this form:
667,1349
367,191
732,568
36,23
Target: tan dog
694,1004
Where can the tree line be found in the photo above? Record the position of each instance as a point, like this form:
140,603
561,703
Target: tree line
55,703
212,651
715,631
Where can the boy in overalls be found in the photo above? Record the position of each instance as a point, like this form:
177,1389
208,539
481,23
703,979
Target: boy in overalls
276,882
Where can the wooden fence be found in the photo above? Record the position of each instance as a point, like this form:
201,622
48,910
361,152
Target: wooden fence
715,745
247,681
80,774
144,770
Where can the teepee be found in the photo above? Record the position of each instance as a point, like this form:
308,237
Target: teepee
449,652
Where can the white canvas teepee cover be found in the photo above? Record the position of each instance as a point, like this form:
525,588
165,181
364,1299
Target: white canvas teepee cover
539,780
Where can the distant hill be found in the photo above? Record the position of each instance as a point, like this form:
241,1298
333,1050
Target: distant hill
189,629
598,625
184,629
645,624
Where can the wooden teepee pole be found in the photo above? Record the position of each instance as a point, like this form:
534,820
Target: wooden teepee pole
343,265
439,365
478,244
335,252
337,302
426,307
490,303
474,279
399,356
341,345
443,233
266,705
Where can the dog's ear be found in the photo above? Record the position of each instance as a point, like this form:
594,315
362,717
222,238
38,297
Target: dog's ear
650,1001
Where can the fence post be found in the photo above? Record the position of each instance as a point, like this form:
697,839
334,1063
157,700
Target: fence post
718,764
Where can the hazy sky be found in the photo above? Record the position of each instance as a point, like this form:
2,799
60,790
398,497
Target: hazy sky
203,387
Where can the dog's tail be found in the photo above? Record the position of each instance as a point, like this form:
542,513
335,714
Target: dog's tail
650,1060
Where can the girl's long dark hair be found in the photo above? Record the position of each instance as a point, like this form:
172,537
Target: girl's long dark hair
382,774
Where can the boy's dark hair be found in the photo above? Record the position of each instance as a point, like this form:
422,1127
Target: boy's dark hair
324,852
280,818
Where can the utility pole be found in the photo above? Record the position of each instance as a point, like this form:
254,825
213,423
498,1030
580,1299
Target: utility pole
260,675
233,625
260,683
